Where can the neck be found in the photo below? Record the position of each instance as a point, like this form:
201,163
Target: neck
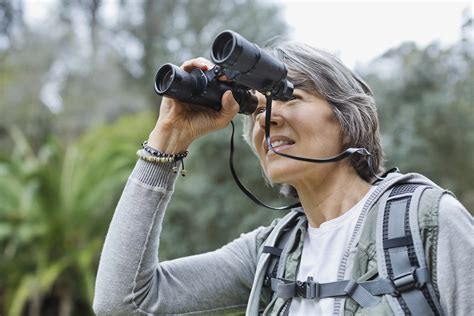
332,196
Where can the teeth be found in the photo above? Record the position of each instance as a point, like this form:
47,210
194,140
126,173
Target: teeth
280,142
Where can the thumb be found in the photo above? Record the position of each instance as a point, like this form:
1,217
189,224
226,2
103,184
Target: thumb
230,107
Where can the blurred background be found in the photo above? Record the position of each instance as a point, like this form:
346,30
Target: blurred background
77,100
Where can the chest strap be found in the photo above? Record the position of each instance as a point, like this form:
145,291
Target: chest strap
364,293
272,250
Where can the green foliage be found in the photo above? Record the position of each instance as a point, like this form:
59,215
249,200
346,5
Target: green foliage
425,105
54,207
58,190
21,78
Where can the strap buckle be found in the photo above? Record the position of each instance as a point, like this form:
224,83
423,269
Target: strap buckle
308,289
405,282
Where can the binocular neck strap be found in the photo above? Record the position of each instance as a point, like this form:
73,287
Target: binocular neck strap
268,112
246,191
346,153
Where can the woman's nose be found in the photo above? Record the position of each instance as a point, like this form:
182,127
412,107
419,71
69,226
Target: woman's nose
276,119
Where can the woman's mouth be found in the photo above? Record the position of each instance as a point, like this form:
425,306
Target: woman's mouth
279,144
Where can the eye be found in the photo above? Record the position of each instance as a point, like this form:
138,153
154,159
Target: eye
259,110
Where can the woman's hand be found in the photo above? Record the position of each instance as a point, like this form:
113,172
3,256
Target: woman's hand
179,123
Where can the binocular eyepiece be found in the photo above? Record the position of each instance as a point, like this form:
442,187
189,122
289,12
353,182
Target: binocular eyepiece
246,66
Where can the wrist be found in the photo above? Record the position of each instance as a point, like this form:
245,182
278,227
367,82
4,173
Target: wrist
168,140
163,157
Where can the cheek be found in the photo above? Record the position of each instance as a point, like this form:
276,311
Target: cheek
322,132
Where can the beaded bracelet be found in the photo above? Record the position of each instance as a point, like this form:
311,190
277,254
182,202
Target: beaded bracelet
158,160
157,153
158,157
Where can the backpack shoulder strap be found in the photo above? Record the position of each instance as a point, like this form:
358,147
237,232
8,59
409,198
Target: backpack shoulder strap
275,254
400,252
279,252
266,258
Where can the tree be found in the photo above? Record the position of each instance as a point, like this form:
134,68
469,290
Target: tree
58,191
67,76
173,31
425,106
55,205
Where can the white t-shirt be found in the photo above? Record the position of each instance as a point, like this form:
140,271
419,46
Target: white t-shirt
322,253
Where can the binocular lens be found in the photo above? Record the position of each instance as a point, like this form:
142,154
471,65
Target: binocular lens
164,78
173,81
223,47
167,79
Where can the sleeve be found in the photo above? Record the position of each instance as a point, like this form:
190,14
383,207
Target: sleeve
130,277
455,257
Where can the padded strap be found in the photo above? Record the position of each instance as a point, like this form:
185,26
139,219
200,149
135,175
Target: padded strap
277,250
401,261
277,253
290,240
253,305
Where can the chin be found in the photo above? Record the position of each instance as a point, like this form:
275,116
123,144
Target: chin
282,172
292,171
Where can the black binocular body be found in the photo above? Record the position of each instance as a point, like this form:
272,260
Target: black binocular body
245,65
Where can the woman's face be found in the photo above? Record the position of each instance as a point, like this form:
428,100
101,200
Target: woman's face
305,127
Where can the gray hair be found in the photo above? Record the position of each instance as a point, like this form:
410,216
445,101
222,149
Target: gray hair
321,73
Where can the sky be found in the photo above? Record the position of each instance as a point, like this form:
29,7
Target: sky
358,31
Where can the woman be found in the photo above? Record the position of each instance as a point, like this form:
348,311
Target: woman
332,111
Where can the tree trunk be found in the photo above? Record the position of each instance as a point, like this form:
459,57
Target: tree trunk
35,305
66,302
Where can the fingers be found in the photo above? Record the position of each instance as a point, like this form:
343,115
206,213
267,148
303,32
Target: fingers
229,104
224,78
230,108
200,62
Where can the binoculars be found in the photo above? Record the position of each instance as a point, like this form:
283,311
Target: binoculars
245,65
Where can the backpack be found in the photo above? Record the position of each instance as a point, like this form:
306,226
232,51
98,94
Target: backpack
404,284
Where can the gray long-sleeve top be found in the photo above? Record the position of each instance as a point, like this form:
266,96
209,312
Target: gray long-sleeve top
131,280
